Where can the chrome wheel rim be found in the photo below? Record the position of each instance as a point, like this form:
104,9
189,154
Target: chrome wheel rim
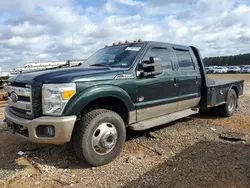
231,103
104,138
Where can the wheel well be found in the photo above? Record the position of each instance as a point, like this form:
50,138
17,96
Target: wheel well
236,90
110,103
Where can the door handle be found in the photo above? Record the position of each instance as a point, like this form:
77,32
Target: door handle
175,82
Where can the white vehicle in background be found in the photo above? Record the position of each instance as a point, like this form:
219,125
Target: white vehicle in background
219,69
233,69
245,69
209,70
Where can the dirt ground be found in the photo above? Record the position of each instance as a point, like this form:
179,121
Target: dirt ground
245,77
186,153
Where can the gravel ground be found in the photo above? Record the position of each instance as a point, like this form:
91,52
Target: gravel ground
185,153
141,160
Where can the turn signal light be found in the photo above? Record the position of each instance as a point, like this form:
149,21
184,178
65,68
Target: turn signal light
68,94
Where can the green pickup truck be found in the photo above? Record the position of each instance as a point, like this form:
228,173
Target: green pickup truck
132,85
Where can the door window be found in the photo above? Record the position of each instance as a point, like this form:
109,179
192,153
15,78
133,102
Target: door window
184,60
163,54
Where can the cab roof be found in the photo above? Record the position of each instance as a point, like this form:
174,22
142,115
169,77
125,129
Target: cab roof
153,43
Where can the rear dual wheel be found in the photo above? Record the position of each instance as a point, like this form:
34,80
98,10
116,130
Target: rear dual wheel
228,109
99,136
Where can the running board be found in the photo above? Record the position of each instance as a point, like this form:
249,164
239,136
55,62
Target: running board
150,123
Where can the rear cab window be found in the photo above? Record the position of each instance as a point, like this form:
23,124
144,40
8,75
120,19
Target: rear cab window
184,59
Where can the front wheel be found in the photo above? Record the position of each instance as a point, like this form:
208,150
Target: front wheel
228,109
99,136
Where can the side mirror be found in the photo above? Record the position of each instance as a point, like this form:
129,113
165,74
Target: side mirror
151,67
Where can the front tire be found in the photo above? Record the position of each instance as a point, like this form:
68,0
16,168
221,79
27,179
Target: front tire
228,109
99,137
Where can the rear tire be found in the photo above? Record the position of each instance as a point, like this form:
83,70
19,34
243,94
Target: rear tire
228,109
99,137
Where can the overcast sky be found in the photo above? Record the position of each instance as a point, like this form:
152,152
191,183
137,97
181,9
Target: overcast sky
42,30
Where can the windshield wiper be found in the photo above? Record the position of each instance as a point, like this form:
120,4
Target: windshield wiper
100,65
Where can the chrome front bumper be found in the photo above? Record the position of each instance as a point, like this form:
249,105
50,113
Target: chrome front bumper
63,127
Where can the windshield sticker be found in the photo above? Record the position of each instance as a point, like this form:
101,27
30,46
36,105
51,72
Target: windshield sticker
133,48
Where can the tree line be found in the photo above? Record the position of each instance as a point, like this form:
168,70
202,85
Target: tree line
242,59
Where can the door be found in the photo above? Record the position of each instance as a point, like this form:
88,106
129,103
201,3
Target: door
157,95
189,79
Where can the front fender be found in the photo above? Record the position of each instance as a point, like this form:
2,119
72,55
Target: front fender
82,99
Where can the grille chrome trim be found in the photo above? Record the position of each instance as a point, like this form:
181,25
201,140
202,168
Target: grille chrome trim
20,104
26,92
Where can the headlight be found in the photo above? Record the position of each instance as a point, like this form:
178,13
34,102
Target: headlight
56,96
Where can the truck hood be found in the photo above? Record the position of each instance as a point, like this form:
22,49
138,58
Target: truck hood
65,75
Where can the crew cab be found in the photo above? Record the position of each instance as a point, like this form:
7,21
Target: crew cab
132,85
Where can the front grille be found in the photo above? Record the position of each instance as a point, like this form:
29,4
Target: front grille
17,84
20,99
21,113
18,110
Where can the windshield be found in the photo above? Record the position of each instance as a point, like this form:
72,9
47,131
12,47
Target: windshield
115,56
